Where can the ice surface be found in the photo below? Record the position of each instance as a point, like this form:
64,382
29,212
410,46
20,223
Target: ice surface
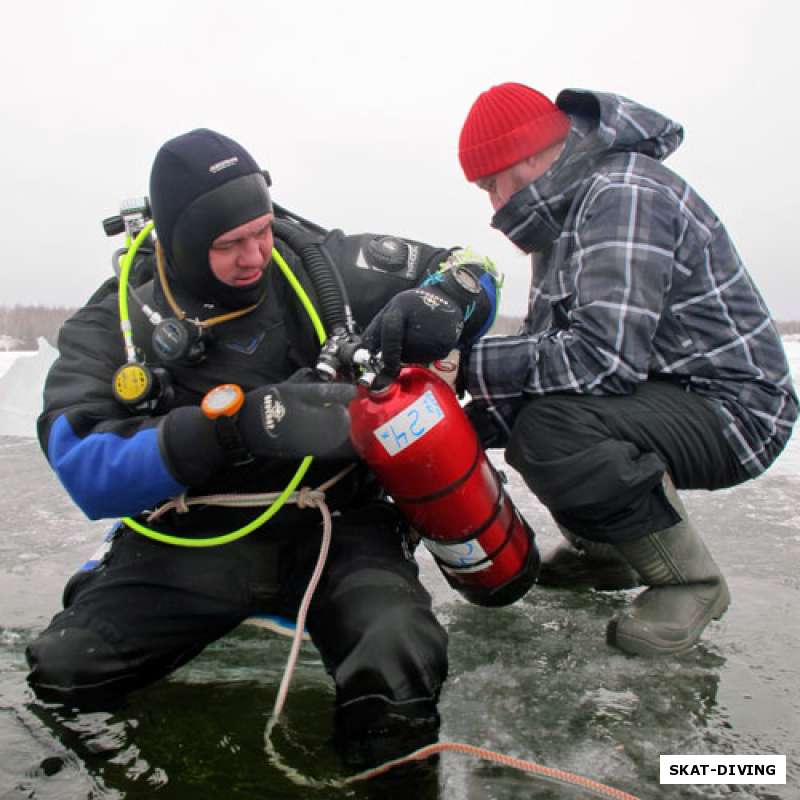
21,380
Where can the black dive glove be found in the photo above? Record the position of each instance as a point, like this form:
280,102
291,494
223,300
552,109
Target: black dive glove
416,326
286,420
290,420
454,307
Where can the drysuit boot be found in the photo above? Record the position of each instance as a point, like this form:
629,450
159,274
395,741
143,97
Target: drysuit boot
372,730
579,563
687,589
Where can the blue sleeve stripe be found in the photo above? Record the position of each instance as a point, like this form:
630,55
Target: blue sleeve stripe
489,284
109,475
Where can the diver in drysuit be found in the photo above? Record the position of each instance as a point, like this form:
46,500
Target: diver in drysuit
229,317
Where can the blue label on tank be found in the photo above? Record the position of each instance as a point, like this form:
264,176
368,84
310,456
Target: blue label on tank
411,424
460,556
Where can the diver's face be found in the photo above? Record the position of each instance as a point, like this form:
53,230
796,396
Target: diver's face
239,256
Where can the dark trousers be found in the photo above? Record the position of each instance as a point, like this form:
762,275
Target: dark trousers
148,608
597,462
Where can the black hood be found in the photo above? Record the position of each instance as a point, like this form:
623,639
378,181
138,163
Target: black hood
203,184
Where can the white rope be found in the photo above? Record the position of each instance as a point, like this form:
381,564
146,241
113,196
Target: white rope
303,498
291,662
302,612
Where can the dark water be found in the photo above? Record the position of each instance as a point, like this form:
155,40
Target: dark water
535,680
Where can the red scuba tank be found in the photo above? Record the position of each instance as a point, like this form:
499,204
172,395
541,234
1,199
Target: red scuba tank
417,439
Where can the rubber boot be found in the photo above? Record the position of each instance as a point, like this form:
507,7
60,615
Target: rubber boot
579,563
687,589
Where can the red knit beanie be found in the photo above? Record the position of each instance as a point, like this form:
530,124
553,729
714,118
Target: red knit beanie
507,123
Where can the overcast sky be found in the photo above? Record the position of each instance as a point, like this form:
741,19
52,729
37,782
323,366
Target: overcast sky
355,108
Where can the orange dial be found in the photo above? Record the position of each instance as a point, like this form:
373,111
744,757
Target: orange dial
223,401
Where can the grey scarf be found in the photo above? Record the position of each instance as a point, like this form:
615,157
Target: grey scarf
534,216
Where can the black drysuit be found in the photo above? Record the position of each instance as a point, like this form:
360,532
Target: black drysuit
145,608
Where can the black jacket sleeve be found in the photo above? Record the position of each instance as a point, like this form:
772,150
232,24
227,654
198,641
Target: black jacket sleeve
112,462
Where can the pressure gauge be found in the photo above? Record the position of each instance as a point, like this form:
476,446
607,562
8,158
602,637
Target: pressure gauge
223,401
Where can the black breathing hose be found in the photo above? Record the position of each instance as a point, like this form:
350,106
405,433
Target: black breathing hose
325,278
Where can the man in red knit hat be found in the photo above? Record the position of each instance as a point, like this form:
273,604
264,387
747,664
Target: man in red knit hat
514,135
648,360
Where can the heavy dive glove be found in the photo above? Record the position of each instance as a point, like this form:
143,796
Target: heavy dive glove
416,326
290,420
455,306
286,420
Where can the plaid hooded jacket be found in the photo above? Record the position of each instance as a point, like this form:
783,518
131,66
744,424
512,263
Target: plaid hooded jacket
634,277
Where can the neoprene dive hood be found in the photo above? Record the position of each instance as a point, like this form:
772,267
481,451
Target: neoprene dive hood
203,184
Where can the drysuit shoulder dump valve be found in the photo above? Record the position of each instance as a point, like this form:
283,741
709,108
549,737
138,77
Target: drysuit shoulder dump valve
419,442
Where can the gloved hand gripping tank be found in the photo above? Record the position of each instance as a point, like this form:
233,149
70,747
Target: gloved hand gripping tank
417,439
